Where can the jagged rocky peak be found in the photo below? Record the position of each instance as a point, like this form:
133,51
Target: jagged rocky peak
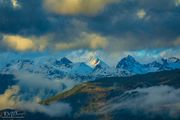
93,61
101,66
98,63
20,64
163,61
24,61
174,59
171,60
131,65
127,61
154,64
63,61
130,58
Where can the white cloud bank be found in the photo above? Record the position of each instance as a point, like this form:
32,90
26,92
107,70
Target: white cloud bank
154,100
11,99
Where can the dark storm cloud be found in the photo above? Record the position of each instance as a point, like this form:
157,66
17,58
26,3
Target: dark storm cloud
121,18
28,19
124,25
159,27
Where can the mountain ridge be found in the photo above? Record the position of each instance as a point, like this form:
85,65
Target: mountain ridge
127,66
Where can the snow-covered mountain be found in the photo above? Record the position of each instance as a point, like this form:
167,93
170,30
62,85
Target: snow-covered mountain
52,68
64,67
170,63
134,67
101,69
131,65
68,67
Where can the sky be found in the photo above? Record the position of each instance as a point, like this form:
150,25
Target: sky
117,27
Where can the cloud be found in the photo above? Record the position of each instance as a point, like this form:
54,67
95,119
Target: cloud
17,18
155,29
85,40
15,4
12,99
8,100
18,43
83,55
169,52
177,2
156,100
52,42
37,84
141,14
177,42
34,81
21,43
157,25
73,7
53,110
31,89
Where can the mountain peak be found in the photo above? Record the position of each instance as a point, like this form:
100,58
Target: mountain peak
101,69
94,61
130,58
174,59
98,64
126,61
63,61
24,61
101,64
130,64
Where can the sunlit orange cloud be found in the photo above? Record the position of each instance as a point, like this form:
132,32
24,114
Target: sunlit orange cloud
7,99
177,41
86,40
73,7
141,14
177,2
15,4
20,43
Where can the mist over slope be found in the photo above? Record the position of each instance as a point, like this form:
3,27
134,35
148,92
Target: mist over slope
149,97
